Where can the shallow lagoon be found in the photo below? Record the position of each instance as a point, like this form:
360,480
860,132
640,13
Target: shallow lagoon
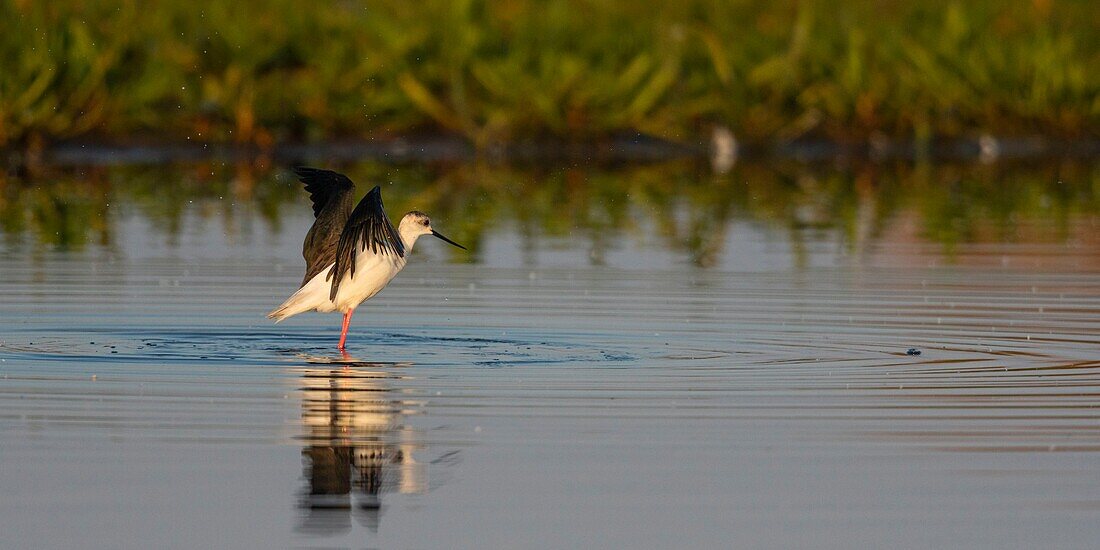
648,356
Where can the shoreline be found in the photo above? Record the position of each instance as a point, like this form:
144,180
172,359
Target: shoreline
722,151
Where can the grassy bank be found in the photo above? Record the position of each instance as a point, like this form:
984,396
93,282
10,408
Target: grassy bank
280,70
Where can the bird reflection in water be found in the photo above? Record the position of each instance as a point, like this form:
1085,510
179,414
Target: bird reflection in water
356,445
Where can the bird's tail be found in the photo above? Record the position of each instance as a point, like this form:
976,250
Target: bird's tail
299,302
314,295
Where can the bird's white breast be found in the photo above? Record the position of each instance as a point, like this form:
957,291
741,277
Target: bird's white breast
372,273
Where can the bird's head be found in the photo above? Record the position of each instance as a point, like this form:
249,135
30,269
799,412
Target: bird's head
416,223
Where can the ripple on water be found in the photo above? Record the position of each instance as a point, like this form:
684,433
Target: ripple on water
800,379
439,347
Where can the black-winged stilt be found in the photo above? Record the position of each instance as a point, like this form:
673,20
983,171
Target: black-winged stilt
350,255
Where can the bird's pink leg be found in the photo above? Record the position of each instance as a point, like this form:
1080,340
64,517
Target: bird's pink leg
344,331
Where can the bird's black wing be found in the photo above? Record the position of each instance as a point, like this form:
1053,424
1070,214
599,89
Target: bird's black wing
324,186
330,193
368,229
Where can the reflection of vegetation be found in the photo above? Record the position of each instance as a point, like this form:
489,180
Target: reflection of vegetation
993,205
66,216
687,209
254,72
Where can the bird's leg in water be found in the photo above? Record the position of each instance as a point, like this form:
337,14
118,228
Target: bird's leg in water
344,331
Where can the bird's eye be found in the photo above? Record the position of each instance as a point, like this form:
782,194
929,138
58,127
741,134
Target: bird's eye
425,222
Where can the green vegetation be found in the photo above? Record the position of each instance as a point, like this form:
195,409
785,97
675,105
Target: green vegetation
260,72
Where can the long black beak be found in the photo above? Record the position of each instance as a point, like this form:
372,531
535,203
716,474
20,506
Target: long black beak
446,240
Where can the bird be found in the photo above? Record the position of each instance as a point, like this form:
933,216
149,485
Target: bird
351,254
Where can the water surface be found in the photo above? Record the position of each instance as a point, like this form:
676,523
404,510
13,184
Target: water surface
644,357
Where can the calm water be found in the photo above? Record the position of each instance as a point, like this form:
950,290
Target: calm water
644,357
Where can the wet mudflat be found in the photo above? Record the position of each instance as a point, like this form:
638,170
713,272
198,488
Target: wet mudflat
644,358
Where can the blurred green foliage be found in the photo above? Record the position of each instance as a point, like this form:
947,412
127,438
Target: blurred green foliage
257,72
